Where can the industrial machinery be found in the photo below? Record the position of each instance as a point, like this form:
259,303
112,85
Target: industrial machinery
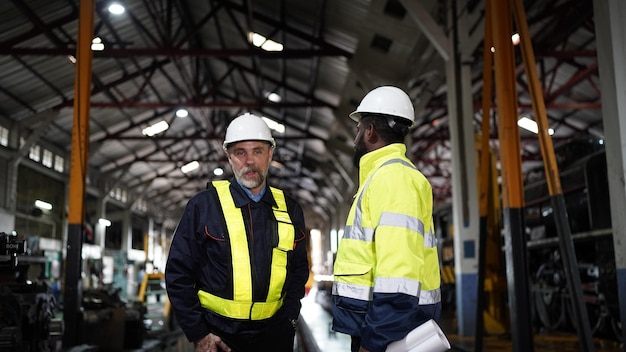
109,322
583,172
156,306
27,309
585,188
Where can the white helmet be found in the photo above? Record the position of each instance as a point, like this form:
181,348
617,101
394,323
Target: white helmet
386,100
248,127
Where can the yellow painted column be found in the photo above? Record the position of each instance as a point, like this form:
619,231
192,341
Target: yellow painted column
511,175
72,296
566,244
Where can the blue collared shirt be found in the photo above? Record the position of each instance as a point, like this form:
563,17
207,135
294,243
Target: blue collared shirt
254,198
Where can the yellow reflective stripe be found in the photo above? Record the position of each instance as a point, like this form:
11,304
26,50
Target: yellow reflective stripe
278,272
242,273
239,310
281,204
264,310
241,306
286,237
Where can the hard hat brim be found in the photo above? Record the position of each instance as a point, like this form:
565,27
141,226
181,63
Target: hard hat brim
227,145
355,116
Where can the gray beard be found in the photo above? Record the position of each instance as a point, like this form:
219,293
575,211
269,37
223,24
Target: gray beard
248,183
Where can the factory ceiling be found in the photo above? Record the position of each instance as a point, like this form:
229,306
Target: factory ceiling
164,55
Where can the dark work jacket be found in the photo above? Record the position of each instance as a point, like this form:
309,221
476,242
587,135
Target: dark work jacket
200,258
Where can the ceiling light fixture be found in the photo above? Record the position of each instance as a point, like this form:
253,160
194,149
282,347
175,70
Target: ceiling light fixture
274,97
97,44
116,9
104,222
43,205
155,129
218,171
515,39
190,167
182,113
266,44
278,127
531,125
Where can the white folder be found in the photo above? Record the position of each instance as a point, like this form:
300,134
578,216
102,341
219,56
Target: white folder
427,337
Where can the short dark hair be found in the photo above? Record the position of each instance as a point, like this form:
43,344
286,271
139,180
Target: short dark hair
391,129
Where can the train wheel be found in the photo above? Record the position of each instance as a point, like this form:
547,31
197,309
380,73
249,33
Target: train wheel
596,313
548,298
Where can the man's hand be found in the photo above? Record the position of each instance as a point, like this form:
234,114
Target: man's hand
211,343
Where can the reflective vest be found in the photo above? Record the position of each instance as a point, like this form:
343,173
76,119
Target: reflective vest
241,305
410,267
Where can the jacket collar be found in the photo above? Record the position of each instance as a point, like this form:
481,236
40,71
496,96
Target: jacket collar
374,159
241,198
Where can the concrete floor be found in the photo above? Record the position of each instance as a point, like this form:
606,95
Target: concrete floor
316,322
543,342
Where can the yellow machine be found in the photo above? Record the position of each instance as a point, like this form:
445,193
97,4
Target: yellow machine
154,296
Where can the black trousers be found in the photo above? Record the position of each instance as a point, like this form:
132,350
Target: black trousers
356,343
280,338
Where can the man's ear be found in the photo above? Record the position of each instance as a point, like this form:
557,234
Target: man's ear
371,136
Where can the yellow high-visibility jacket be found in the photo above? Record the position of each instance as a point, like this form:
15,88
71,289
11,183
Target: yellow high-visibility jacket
386,274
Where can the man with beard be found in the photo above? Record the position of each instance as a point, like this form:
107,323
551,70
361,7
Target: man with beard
386,273
238,262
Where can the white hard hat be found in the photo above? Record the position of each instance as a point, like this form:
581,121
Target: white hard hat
248,127
386,100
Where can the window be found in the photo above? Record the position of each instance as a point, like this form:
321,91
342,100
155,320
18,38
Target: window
119,194
35,153
4,136
59,163
381,43
47,158
141,205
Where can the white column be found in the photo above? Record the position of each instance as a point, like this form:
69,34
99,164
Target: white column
611,48
465,214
